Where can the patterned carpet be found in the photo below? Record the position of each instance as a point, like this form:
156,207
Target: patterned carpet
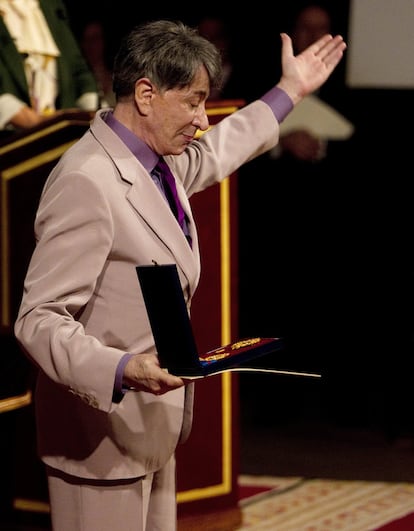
298,504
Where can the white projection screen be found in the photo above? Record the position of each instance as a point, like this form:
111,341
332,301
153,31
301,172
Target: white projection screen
380,44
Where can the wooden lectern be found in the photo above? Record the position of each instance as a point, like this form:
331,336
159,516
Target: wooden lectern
207,464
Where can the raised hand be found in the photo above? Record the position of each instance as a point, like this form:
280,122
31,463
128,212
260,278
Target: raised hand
307,71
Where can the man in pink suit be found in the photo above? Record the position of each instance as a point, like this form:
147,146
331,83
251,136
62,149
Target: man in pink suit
108,417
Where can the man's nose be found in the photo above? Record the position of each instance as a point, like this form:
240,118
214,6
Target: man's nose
201,120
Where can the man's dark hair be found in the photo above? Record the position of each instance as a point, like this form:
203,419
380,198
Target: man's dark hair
169,53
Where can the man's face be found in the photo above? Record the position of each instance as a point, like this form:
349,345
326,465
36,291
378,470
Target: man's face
178,114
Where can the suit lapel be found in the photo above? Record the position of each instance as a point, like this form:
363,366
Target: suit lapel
147,200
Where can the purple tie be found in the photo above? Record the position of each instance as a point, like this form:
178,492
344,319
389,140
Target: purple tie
170,188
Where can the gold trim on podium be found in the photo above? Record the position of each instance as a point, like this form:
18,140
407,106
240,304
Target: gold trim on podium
225,486
15,402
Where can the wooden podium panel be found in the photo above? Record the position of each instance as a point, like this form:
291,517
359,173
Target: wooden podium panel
207,464
26,159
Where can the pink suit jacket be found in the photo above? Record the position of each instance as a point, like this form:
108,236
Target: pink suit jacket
99,216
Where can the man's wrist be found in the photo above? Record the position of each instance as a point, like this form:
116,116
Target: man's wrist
119,388
279,101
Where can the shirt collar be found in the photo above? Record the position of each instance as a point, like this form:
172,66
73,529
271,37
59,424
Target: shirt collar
140,150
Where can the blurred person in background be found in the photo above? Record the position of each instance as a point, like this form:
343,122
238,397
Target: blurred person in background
42,69
94,47
306,135
217,30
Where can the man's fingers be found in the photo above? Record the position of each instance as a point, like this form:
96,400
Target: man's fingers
287,46
332,47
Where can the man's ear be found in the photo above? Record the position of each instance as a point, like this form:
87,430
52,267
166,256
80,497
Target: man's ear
144,91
